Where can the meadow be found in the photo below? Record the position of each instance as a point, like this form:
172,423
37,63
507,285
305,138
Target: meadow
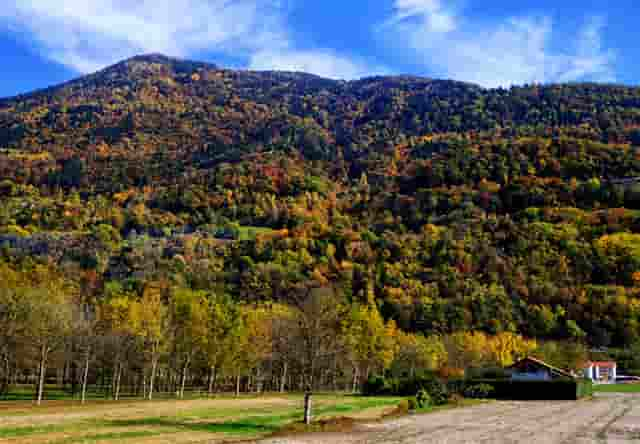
617,388
222,418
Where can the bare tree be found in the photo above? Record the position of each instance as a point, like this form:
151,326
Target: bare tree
318,323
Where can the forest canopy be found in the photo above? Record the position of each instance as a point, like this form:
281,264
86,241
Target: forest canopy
427,208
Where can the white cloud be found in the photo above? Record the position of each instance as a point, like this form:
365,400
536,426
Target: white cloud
512,51
87,35
320,62
431,14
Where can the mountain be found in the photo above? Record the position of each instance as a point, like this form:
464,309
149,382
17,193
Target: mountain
202,115
452,206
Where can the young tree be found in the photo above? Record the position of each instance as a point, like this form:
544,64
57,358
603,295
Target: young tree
150,319
85,333
417,352
190,310
225,338
234,345
14,319
260,321
371,342
49,322
118,329
318,311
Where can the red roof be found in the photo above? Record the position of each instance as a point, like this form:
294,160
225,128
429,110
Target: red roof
602,364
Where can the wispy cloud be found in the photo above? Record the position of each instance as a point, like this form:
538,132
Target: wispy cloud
88,35
515,50
324,63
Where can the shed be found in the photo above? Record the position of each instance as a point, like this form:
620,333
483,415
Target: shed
532,369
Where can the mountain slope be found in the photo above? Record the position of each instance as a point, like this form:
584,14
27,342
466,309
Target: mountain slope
453,206
197,112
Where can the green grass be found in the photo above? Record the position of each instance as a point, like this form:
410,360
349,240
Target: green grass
257,421
617,388
263,419
17,432
51,393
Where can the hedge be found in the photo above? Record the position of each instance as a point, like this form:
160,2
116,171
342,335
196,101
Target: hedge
436,389
502,388
559,389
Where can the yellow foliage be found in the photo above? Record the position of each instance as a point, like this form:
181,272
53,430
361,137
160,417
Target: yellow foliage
476,349
371,341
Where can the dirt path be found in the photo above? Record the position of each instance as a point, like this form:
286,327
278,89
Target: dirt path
609,419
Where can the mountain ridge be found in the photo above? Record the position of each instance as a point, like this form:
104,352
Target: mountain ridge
193,65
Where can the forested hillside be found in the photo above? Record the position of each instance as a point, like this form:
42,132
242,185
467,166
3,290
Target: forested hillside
441,205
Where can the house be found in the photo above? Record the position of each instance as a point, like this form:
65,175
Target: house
532,369
601,371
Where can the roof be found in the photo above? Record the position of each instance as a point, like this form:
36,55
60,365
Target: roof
602,364
554,370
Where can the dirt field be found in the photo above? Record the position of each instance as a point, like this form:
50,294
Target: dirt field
609,418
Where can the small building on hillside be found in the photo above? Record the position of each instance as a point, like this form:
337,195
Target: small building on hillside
532,369
601,371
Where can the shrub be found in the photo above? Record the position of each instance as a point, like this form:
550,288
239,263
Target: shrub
423,399
413,404
478,391
403,406
374,386
438,392
433,386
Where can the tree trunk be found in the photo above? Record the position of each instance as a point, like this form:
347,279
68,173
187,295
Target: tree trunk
85,377
212,380
4,389
354,387
152,377
307,408
237,385
183,379
283,379
41,376
116,395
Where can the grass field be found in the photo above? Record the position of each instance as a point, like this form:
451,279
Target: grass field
617,388
197,420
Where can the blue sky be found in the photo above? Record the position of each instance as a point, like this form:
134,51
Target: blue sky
490,42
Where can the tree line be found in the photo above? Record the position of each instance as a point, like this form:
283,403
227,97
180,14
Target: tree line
161,338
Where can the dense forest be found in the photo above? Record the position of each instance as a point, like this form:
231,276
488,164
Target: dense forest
206,216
